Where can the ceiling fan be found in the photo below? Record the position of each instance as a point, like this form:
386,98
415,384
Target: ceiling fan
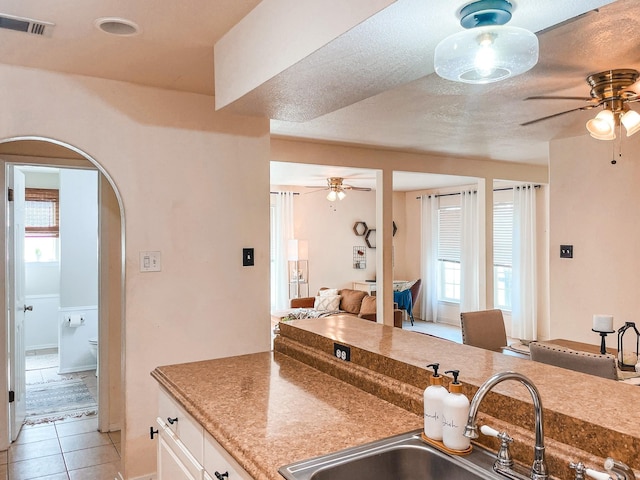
611,90
337,188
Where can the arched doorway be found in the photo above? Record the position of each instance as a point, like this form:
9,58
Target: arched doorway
48,152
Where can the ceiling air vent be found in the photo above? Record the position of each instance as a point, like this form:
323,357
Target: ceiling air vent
26,25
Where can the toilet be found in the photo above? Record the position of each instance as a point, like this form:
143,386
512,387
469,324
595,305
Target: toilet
93,346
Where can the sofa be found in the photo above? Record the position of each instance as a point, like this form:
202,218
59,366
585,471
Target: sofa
350,302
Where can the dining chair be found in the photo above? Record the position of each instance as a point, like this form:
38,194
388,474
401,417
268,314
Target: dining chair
415,292
484,329
600,365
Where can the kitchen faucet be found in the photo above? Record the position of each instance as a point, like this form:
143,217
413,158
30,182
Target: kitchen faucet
619,469
539,467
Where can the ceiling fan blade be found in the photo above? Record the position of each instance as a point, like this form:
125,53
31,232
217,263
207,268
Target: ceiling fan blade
587,107
360,189
560,97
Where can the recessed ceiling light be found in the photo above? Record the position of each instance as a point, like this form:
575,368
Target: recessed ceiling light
118,26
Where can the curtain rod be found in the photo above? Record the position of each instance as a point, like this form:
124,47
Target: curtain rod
275,193
475,191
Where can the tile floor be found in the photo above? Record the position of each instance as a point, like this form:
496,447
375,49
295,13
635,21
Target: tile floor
70,449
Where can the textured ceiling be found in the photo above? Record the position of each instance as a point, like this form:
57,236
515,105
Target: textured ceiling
426,114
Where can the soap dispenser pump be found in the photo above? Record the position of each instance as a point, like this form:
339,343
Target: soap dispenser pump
455,412
434,395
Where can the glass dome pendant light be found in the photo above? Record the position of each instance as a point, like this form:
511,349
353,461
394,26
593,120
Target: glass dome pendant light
487,51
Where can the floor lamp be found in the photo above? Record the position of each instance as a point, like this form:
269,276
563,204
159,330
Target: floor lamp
298,255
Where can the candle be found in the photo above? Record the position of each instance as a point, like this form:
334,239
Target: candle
603,323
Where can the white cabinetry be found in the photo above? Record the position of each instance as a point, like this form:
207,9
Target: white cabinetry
174,460
186,451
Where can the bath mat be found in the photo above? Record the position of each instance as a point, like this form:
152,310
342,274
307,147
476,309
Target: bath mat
51,401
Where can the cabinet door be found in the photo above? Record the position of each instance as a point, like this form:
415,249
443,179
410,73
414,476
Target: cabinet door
174,460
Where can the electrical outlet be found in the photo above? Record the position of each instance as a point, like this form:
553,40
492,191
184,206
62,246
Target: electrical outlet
566,251
342,352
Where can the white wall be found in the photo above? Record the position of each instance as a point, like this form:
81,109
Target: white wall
195,186
78,267
594,207
42,278
78,238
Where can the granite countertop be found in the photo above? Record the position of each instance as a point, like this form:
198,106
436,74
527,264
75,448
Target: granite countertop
271,409
268,410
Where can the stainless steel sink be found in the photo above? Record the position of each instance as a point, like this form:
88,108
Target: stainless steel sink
401,457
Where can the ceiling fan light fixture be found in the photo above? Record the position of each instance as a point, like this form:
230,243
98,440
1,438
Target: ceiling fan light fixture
631,121
332,196
341,195
603,126
488,51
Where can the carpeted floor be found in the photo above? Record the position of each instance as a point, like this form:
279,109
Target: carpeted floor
56,400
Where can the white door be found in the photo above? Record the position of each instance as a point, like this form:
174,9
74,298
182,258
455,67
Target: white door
17,308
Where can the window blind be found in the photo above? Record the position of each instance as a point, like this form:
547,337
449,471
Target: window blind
42,212
449,230
502,234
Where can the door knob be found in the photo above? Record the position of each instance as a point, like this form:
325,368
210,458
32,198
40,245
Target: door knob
27,307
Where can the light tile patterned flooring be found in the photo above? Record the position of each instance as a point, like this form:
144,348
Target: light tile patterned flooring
70,449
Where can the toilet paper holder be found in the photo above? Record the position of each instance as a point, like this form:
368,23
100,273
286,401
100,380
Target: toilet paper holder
74,320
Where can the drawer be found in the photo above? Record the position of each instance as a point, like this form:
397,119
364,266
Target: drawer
174,460
186,428
217,459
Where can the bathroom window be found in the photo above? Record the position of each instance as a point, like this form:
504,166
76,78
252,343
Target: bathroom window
42,224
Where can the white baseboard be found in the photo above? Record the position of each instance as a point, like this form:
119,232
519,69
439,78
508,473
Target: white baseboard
46,346
144,477
81,368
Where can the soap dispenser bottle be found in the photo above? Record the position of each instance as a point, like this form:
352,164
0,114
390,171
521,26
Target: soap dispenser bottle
434,395
455,412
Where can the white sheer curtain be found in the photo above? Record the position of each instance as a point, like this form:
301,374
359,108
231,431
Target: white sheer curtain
282,233
524,315
429,267
469,252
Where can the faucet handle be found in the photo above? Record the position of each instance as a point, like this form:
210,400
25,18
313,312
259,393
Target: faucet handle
581,470
504,458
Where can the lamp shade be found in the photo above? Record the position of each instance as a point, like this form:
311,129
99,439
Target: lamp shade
631,122
602,127
297,250
486,54
341,195
332,196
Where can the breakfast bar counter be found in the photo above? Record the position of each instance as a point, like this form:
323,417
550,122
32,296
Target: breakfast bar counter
267,409
300,401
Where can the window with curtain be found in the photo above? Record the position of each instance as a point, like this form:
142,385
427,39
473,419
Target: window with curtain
502,248
449,254
449,219
42,224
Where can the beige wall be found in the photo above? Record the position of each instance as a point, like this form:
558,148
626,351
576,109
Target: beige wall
594,207
195,186
110,328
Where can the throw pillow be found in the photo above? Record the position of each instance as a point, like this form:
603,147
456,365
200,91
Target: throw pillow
368,305
406,286
329,303
328,291
351,300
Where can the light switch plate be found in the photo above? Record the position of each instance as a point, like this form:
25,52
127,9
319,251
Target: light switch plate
150,262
